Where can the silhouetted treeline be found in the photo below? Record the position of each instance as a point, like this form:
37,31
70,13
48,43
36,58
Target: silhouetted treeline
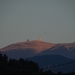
23,67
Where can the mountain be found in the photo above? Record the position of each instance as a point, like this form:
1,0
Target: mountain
64,49
25,49
56,62
38,47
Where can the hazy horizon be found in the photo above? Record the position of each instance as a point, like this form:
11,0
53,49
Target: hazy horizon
53,20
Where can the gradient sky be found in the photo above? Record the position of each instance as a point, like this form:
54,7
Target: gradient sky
53,20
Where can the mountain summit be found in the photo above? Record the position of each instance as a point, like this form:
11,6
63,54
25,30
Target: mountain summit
36,45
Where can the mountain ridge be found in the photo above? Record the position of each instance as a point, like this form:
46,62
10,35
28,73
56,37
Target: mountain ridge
35,44
64,49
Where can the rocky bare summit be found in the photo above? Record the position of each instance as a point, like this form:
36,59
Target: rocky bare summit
36,45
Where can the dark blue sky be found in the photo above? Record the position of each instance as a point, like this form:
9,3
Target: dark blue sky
53,20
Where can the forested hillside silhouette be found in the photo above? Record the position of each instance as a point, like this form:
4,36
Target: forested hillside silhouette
23,67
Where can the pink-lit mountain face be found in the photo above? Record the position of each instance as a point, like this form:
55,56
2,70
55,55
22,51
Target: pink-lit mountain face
69,46
38,46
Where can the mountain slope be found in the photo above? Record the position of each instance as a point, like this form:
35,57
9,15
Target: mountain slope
67,50
46,61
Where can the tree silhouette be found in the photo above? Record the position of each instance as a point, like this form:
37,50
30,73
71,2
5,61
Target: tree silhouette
23,67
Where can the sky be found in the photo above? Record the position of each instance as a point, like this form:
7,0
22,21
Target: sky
53,20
